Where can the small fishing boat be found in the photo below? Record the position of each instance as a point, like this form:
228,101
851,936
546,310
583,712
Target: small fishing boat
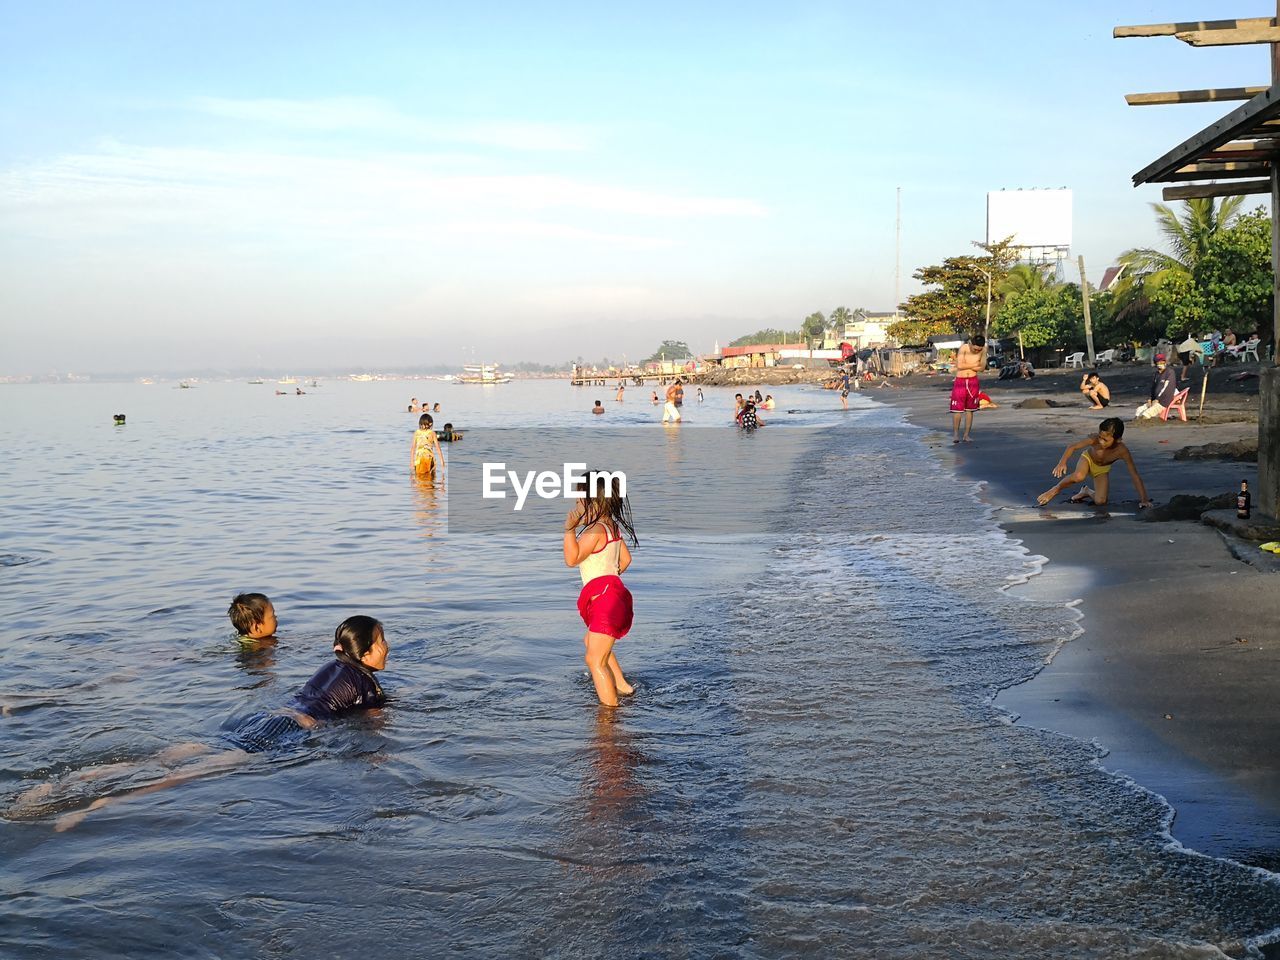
256,381
485,373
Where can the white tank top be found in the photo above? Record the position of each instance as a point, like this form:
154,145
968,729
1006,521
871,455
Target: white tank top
604,562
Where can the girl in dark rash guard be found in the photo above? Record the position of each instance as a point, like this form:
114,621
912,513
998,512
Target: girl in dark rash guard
345,683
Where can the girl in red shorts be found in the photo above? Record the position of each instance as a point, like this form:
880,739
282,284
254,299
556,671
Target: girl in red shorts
593,543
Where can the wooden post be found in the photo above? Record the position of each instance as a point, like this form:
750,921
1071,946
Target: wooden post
1088,320
1204,387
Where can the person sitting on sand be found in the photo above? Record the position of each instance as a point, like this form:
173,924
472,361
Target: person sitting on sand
598,408
1163,389
1091,386
1101,450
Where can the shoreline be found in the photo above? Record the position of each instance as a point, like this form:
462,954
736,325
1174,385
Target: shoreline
1174,672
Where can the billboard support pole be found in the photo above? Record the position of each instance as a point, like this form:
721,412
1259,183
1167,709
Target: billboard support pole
1088,321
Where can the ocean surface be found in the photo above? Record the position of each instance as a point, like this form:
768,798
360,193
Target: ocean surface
812,764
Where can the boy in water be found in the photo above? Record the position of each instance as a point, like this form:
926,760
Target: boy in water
425,449
254,616
448,434
1104,449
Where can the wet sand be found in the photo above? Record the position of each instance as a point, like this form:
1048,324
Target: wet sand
1176,670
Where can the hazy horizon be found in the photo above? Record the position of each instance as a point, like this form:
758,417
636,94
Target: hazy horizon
306,186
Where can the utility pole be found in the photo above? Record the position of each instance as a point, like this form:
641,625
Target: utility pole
897,254
1088,321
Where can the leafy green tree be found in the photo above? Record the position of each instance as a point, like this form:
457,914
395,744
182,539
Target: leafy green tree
670,350
768,335
1043,317
956,301
814,326
1234,275
1177,307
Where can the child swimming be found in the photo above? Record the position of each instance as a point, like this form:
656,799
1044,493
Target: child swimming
346,683
603,516
253,615
1104,449
425,449
448,434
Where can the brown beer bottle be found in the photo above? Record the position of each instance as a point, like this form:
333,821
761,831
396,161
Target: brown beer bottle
1242,501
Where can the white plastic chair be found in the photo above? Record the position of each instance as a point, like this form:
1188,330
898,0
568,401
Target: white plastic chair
1074,360
1105,357
1250,347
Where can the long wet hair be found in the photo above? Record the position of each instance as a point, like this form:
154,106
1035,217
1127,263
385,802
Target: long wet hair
608,506
355,636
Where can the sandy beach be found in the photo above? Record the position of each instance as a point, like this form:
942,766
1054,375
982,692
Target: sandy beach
1174,673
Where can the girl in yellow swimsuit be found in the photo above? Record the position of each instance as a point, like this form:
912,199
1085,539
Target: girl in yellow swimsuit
425,449
1101,451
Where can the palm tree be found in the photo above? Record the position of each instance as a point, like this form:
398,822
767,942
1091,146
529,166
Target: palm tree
1023,278
841,317
1187,234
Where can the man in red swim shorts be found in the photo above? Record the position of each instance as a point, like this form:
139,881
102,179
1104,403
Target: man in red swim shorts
970,359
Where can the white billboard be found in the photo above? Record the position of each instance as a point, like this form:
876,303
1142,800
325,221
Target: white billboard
1034,218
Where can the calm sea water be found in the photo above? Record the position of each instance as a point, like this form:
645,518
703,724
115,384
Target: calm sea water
812,764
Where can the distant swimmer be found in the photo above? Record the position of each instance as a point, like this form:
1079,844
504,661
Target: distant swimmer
622,387
593,542
1101,451
654,398
598,408
699,394
414,407
346,683
769,402
254,617
448,434
738,403
425,448
435,408
299,391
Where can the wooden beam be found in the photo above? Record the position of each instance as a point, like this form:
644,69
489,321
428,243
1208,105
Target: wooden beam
1231,38
1173,29
1192,96
1195,191
1235,125
1232,171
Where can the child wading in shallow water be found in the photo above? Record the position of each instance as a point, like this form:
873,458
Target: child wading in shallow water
1104,449
603,516
426,448
345,683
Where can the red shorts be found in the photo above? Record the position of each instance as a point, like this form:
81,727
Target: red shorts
605,606
964,394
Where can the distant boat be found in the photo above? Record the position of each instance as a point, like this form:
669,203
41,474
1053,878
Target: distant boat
256,381
184,386
362,377
288,380
485,373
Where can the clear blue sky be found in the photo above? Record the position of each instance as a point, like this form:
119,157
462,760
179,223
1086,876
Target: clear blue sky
312,184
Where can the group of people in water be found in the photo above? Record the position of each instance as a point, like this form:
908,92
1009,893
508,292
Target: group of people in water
597,529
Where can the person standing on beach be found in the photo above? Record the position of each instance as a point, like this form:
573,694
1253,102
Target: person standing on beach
671,409
970,359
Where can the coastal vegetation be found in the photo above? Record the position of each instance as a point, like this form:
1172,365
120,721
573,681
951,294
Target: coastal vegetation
1214,273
